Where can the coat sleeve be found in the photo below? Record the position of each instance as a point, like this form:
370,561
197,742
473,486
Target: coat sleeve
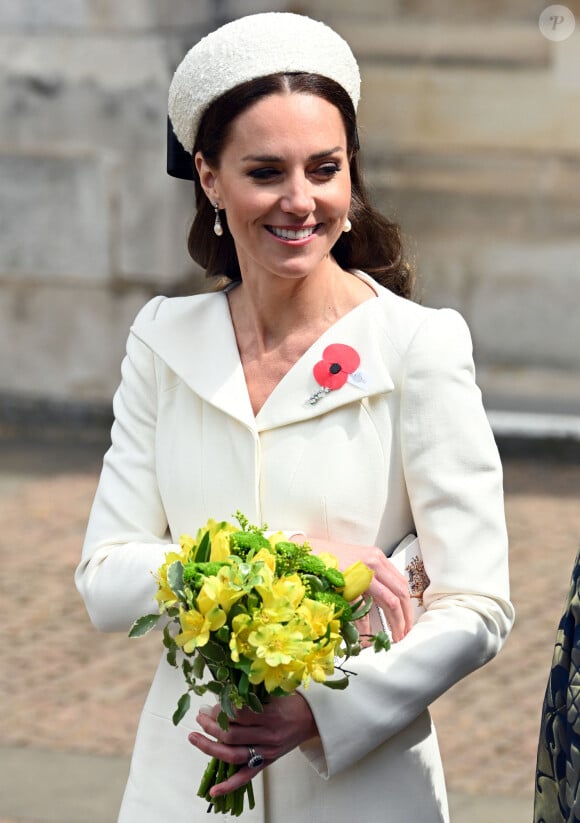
126,538
454,483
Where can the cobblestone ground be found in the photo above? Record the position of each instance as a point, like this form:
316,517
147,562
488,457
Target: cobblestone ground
65,687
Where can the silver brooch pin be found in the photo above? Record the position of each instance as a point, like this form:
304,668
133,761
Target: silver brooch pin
318,395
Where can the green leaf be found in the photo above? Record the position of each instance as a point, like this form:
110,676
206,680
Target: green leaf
223,634
168,640
187,667
243,686
214,652
314,583
255,703
226,703
215,687
175,577
350,633
361,608
244,665
340,684
198,666
143,625
223,721
381,642
172,657
182,708
203,552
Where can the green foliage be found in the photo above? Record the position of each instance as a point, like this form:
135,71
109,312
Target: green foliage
175,577
143,625
335,577
245,544
338,684
195,573
381,642
287,557
341,606
203,552
361,608
310,563
183,705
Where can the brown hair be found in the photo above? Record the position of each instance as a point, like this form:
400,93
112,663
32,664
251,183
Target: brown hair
374,244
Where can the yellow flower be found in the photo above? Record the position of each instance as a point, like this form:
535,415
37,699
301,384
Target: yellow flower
219,534
220,544
316,615
357,580
320,662
286,677
278,653
329,560
277,537
266,557
165,595
281,598
218,591
188,545
197,626
281,644
242,626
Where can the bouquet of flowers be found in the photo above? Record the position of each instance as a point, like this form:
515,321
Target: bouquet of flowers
249,617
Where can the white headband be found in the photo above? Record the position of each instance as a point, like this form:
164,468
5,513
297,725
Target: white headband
252,47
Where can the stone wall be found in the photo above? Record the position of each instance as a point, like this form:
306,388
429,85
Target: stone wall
471,128
470,122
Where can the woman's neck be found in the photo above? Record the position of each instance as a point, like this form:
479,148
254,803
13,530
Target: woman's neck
270,312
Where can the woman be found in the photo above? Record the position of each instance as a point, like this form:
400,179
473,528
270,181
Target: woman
227,402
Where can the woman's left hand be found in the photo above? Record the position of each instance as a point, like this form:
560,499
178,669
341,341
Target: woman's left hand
285,723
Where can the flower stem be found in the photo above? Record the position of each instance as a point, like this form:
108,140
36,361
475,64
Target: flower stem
208,778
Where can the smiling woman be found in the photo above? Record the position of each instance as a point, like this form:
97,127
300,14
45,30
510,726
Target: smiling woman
312,394
373,245
286,195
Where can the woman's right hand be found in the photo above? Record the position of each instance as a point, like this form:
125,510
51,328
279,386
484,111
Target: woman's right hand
389,588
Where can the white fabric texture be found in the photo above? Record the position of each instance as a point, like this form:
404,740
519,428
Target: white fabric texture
411,451
252,47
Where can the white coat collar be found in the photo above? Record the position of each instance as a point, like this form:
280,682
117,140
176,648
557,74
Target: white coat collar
194,336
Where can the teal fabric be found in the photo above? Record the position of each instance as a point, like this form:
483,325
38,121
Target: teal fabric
557,793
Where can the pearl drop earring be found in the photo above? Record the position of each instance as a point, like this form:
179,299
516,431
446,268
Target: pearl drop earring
217,226
347,225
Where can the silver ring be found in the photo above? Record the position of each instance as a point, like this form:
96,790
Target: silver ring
256,760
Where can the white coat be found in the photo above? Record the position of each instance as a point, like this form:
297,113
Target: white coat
408,450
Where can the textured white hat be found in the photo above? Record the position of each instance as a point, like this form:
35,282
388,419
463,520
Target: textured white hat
252,47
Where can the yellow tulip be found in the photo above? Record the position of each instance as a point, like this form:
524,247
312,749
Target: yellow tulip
265,556
277,537
329,560
357,580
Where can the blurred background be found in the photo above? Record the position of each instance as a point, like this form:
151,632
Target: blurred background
470,127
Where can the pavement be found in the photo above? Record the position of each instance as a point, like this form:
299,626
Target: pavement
70,697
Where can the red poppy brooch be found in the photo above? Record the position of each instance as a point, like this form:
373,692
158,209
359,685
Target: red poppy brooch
331,373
